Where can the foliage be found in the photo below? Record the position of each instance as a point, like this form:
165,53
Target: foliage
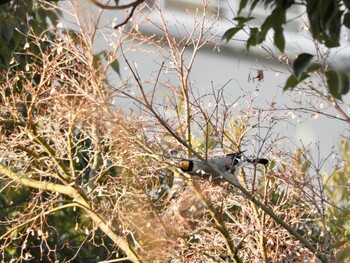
18,18
50,137
326,20
46,133
337,191
84,180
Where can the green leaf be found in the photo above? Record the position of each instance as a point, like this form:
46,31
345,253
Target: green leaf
253,5
254,38
346,20
332,26
325,19
279,39
96,61
313,67
312,12
8,31
232,31
267,25
228,35
276,20
242,20
325,9
5,54
292,81
242,5
115,66
338,83
301,63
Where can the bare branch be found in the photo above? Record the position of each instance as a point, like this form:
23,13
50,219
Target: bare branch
117,6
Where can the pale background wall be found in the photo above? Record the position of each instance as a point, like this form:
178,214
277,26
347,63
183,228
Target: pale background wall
212,67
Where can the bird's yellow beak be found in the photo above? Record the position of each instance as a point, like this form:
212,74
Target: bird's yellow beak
185,166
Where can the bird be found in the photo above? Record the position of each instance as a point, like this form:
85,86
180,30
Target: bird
226,163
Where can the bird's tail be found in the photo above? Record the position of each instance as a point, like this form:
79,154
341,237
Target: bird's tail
261,161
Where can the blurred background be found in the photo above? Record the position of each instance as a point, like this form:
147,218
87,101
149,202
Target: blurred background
227,65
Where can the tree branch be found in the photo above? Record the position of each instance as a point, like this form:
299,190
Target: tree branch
268,211
220,225
128,18
36,217
80,201
117,6
216,172
62,189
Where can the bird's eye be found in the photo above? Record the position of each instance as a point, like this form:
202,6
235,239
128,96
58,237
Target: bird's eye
185,165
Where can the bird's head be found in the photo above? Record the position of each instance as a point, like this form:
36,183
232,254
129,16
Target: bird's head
186,166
